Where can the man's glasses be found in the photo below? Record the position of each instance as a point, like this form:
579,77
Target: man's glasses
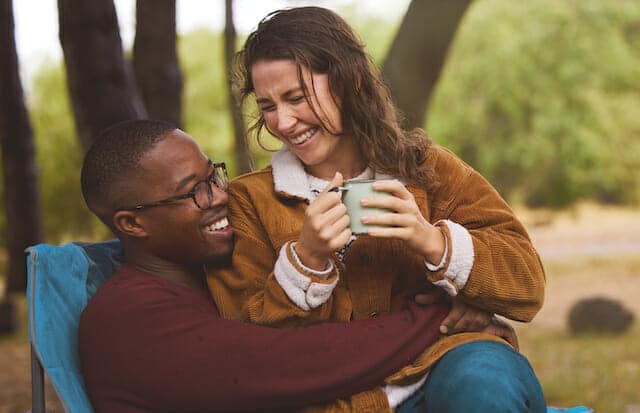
202,192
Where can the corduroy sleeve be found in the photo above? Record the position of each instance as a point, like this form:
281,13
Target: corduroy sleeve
491,259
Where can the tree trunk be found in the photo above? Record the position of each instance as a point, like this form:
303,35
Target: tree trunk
21,197
242,156
100,81
155,60
418,53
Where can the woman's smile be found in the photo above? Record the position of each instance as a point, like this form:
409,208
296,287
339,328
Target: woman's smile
303,137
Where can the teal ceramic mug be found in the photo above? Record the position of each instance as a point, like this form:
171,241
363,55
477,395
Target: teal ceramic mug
352,192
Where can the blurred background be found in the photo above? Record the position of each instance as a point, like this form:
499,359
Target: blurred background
541,97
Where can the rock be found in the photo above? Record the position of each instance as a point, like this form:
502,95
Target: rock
599,315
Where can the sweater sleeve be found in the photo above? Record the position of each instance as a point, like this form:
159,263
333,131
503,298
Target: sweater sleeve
162,349
490,260
264,284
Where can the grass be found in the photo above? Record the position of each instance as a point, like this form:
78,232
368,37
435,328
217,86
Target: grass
599,371
602,372
618,265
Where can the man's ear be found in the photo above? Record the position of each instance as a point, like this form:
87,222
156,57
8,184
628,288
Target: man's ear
129,223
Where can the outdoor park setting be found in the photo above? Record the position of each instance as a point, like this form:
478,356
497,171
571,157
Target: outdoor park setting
541,97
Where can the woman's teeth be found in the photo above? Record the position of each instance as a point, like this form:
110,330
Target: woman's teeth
304,137
218,225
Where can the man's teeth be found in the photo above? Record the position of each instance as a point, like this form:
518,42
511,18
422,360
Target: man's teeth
218,225
303,138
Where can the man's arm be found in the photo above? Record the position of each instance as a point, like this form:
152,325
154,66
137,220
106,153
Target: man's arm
177,352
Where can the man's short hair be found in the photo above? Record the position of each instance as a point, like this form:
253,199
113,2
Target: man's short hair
113,158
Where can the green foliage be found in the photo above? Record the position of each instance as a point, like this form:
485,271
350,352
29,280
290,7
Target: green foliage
542,98
59,159
206,117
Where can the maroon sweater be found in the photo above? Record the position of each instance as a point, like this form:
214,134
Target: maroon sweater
149,345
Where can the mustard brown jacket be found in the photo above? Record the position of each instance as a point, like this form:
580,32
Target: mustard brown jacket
490,261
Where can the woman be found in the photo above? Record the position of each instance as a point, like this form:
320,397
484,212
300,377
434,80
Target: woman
295,259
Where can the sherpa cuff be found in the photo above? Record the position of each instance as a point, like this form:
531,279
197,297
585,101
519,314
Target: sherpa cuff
459,257
305,287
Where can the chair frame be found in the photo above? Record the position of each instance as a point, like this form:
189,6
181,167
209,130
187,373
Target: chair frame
38,404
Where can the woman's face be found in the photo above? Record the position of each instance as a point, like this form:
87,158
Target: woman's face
291,119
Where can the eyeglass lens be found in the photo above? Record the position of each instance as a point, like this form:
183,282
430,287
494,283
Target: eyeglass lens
203,193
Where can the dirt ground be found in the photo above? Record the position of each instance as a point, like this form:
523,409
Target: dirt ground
587,235
15,384
576,247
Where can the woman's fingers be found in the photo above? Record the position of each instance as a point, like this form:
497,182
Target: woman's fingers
336,182
393,187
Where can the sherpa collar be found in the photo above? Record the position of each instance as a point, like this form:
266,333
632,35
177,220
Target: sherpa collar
290,178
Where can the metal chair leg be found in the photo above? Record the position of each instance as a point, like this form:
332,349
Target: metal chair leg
37,384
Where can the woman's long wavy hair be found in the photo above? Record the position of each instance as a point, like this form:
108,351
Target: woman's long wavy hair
323,42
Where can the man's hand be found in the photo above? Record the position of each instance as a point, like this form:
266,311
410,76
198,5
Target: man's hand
501,328
466,318
462,317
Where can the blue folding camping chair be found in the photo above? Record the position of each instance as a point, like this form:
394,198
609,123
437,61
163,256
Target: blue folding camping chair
60,282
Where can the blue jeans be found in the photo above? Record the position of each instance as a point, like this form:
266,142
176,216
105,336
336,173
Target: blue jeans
481,376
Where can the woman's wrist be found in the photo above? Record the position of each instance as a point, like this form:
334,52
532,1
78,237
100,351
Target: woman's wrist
314,261
435,246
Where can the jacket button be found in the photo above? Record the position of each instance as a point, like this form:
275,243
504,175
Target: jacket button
373,314
364,258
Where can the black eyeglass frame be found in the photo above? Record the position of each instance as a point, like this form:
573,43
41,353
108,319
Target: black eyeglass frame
214,178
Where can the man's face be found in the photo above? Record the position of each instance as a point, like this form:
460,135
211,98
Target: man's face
181,232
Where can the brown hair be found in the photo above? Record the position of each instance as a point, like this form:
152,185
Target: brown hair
323,42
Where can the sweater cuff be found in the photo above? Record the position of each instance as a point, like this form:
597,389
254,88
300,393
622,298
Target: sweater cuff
460,258
306,291
324,274
443,261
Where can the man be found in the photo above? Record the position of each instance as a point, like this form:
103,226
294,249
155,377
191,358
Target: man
151,338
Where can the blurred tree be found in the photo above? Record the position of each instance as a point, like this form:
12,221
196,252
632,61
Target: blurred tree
101,85
22,203
414,62
241,150
155,60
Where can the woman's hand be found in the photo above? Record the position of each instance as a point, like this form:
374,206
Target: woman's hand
404,222
325,228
